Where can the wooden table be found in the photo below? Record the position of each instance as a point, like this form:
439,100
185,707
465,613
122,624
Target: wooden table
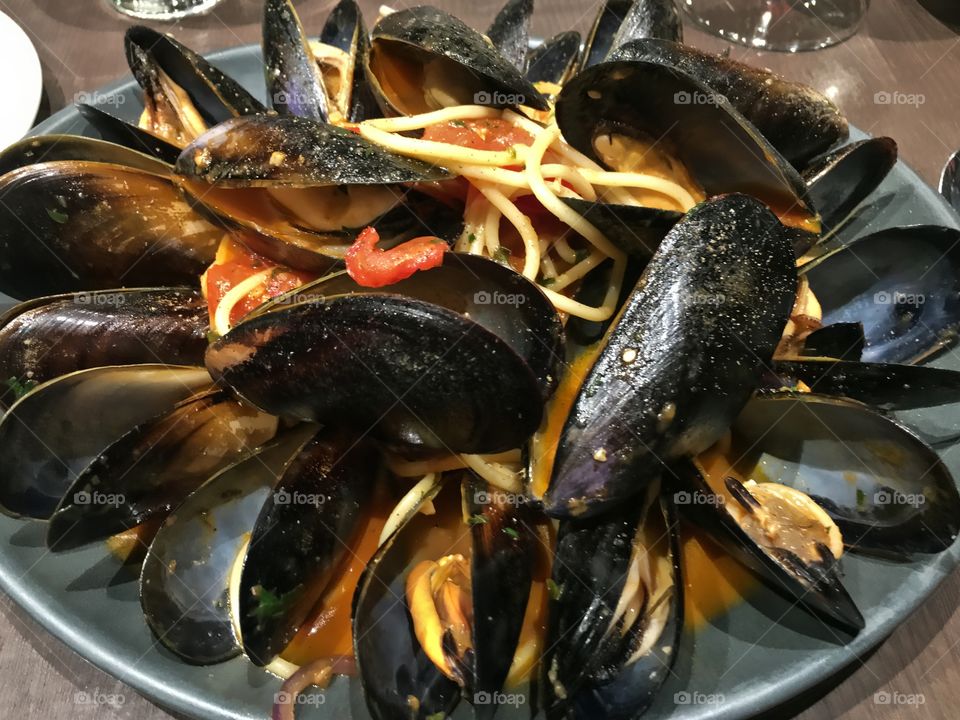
901,49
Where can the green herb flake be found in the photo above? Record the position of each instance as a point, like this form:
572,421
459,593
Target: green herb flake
553,589
437,716
58,216
472,237
502,255
513,153
213,336
457,123
512,533
581,254
19,388
269,604
477,520
547,282
861,498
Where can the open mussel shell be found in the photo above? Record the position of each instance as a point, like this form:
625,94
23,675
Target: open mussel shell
840,181
950,181
345,30
76,225
424,59
555,60
47,337
685,354
796,119
889,493
186,578
841,341
902,284
153,467
419,371
635,229
294,83
214,95
510,31
606,24
113,129
303,530
50,148
51,434
648,19
289,151
617,614
693,124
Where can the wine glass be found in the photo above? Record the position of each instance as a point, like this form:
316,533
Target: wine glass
163,9
785,25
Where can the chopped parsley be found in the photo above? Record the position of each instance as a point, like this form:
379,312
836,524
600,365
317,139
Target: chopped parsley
547,282
512,533
861,498
458,123
477,520
58,216
437,716
581,254
213,336
502,255
553,589
472,237
269,604
19,388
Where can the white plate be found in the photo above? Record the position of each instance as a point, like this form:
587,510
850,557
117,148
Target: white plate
20,88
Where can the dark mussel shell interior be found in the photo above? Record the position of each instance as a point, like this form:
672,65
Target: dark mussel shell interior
50,148
115,130
796,119
555,60
902,284
345,29
950,181
53,432
272,151
668,384
305,527
605,26
422,373
889,493
842,341
294,83
510,31
414,40
44,338
153,467
72,225
185,583
840,181
589,669
722,151
634,229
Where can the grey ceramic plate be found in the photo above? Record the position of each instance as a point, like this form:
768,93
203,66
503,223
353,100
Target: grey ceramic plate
748,660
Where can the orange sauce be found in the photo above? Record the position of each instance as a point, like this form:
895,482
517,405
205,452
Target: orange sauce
713,581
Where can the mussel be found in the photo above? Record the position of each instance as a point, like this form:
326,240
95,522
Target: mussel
294,82
510,32
51,148
620,21
555,60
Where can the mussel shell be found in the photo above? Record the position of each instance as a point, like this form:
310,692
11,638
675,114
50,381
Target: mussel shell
902,283
605,27
303,530
634,229
215,95
115,130
185,581
432,34
843,341
289,151
294,83
684,356
723,152
345,29
555,60
840,181
586,671
153,467
650,19
41,339
510,31
797,120
889,493
53,432
950,181
74,225
51,148
816,588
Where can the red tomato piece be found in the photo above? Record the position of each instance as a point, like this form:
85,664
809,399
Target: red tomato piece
372,267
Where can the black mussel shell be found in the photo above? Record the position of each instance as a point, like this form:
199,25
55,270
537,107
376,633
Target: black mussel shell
305,527
50,148
186,578
950,181
797,120
842,341
345,29
605,26
589,669
54,431
650,19
294,83
840,181
41,339
510,31
889,493
722,151
75,225
289,151
154,466
684,356
634,229
432,44
555,60
902,284
115,130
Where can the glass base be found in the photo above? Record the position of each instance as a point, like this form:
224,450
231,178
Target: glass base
163,9
782,25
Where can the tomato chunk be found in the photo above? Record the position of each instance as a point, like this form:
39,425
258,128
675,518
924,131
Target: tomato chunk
487,134
372,267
